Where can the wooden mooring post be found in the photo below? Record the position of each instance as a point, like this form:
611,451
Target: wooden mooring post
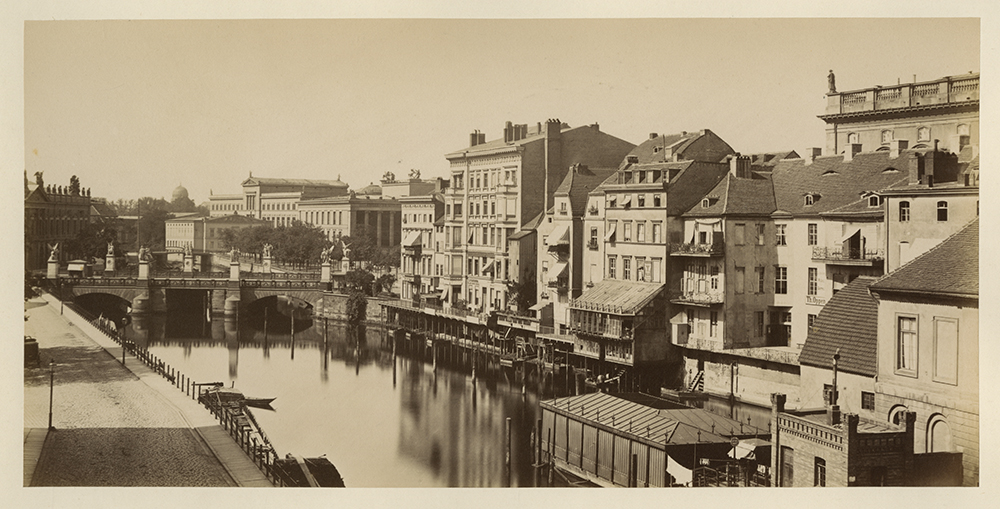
506,461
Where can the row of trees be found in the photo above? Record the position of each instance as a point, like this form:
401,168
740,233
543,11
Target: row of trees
302,244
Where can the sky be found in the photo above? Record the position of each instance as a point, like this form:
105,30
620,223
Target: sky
136,108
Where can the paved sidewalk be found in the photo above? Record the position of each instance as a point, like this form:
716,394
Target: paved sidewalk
114,425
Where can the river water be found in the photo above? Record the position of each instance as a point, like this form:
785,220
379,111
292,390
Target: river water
384,421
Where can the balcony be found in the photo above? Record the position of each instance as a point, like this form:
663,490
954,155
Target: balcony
712,250
945,91
852,256
703,299
592,244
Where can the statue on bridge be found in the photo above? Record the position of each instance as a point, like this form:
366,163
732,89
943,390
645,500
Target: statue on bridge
415,174
111,248
144,255
187,250
54,252
324,256
267,250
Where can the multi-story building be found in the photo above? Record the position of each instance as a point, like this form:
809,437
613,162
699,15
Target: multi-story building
496,187
185,230
419,263
562,275
928,349
354,214
945,109
52,215
933,201
273,199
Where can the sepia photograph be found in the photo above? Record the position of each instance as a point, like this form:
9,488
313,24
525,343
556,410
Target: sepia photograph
545,251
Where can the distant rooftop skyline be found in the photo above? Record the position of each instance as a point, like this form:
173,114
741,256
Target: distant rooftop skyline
135,107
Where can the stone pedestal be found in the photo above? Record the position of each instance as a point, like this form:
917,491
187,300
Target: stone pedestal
324,276
109,264
188,264
234,270
143,269
267,265
52,271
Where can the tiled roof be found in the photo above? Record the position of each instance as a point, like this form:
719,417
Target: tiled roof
849,321
532,135
529,227
737,196
580,181
647,151
617,297
951,268
833,182
689,185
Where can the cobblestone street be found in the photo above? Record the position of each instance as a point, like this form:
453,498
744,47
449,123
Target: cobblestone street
111,428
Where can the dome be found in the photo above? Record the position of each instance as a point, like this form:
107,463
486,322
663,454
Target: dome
370,190
180,192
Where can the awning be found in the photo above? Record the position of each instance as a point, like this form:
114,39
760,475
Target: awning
557,270
680,474
489,266
708,221
446,293
851,234
539,306
611,232
559,236
411,239
626,200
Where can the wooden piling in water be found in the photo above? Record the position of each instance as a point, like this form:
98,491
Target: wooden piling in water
506,466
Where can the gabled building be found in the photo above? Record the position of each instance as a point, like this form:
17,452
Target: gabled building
562,273
496,187
928,352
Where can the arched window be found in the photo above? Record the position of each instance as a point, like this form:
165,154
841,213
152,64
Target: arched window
809,199
939,435
852,138
873,201
942,211
896,414
904,211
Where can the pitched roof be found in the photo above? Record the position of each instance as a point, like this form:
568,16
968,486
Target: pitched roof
833,182
949,269
533,134
849,321
102,209
235,219
617,297
737,196
580,180
652,150
263,181
528,228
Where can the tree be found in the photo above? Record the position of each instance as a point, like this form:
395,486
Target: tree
365,247
359,280
522,293
91,241
357,307
384,283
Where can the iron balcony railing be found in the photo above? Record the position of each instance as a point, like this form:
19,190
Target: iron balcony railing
695,249
715,297
839,253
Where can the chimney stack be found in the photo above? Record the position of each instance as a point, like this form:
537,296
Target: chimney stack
508,132
852,150
811,154
739,166
915,167
477,138
653,136
834,407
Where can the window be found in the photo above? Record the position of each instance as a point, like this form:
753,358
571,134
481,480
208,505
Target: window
787,466
828,394
760,234
656,200
946,350
657,236
642,199
809,199
611,266
705,203
852,138
813,287
640,268
906,344
740,277
714,323
811,320
640,232
760,279
904,211
759,330
867,400
779,230
819,472
942,211
626,266
627,233
593,238
715,277
739,231
654,270
562,208
873,201
781,280
813,237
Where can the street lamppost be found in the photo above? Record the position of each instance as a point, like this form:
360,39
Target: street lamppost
52,376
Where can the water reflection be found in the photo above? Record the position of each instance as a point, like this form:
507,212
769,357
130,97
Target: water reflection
384,417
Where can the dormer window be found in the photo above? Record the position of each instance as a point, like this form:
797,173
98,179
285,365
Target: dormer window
632,159
705,203
873,201
810,199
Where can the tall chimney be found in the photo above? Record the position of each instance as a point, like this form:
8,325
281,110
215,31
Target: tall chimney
811,154
739,166
554,168
834,407
897,146
852,150
914,166
508,132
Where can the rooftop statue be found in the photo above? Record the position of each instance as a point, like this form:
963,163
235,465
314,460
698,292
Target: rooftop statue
832,81
54,252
